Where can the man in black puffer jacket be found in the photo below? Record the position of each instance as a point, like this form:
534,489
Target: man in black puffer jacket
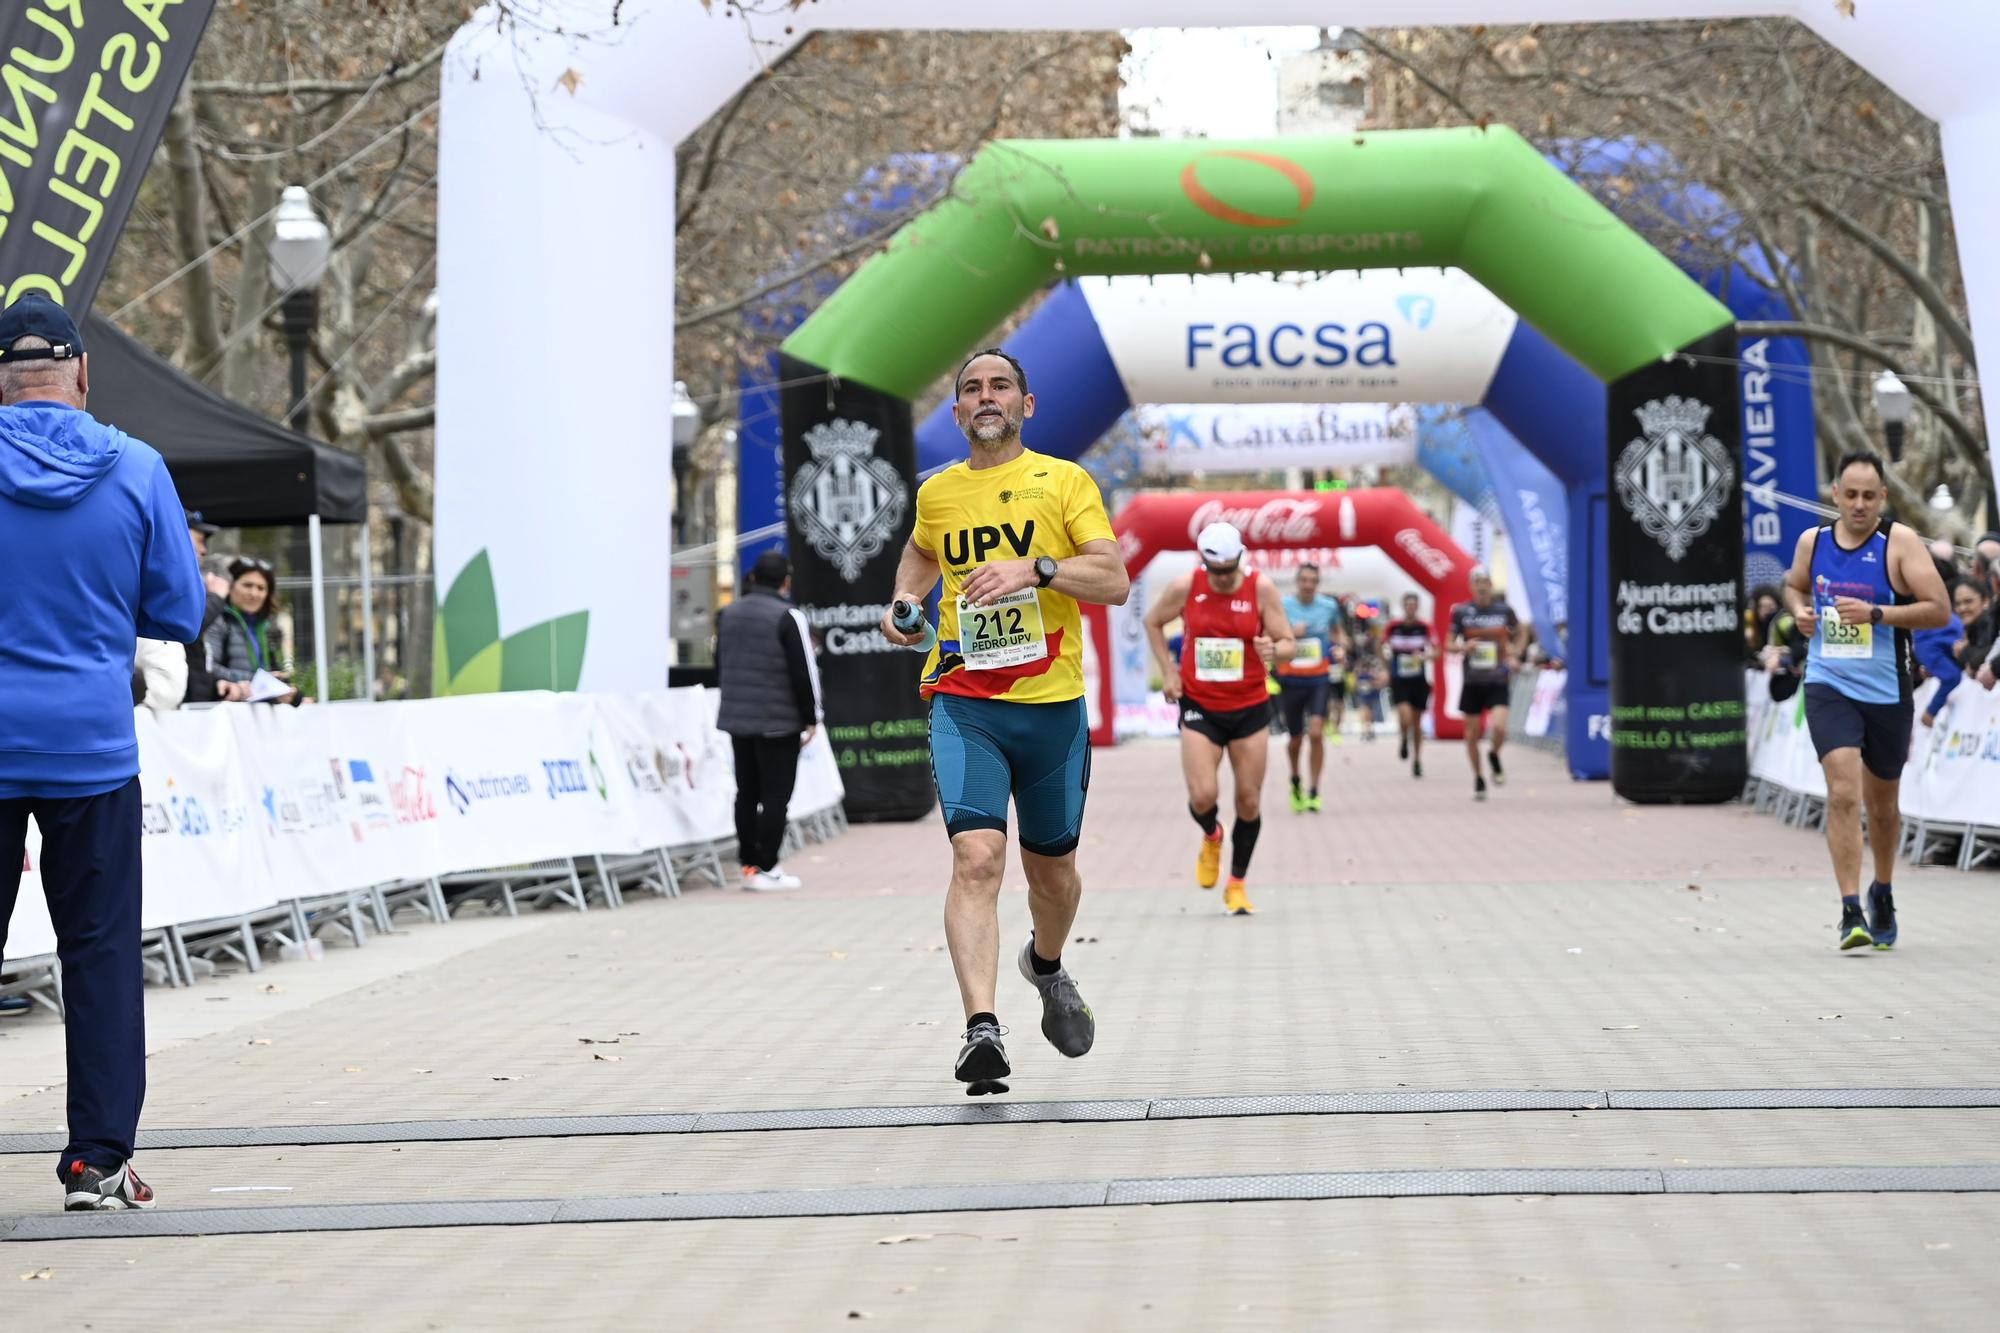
770,708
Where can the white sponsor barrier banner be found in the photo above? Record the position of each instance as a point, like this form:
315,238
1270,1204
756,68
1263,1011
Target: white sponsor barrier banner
1257,437
1359,336
1953,774
246,807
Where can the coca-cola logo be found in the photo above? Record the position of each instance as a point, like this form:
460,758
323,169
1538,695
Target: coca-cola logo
1435,562
1281,522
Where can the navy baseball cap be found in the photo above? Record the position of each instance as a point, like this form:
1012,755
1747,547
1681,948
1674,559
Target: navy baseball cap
37,316
196,523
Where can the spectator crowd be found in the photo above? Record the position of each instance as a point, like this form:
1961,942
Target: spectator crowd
239,656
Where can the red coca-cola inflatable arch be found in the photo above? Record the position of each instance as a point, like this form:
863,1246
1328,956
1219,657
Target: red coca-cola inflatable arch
1384,517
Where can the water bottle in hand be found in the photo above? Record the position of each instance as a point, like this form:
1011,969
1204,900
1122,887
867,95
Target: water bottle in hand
909,618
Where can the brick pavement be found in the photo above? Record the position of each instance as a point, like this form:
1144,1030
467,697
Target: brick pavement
1400,942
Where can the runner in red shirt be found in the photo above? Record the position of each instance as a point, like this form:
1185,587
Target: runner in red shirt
1235,629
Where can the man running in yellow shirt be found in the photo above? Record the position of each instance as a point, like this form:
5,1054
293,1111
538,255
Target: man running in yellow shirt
1019,539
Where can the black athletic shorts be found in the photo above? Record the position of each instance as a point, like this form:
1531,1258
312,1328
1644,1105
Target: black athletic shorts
1223,726
1415,691
1300,699
1476,696
1880,731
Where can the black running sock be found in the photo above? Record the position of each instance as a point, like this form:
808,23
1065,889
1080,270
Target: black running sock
1242,842
1044,967
977,1019
1314,793
1882,885
1848,900
1206,818
1295,782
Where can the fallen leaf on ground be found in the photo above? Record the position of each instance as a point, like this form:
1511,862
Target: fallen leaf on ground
631,1034
351,1069
1624,1027
507,1078
423,1071
260,1041
48,1274
836,955
1824,1017
608,1059
273,988
598,1041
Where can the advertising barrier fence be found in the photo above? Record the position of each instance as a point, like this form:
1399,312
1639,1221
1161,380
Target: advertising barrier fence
247,808
1951,786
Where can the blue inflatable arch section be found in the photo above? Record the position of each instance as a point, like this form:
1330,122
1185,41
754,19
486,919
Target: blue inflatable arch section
1540,402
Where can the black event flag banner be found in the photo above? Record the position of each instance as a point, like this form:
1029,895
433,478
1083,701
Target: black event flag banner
1676,552
850,503
85,90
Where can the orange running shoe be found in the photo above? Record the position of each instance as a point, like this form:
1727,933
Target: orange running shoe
1236,899
1208,865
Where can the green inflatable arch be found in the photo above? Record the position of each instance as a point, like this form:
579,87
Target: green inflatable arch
1025,212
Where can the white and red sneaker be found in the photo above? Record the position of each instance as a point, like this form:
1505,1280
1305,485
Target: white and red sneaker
87,1189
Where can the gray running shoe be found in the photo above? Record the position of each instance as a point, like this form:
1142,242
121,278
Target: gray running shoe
982,1059
1066,1020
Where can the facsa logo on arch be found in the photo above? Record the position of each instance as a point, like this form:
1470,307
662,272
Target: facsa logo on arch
1204,199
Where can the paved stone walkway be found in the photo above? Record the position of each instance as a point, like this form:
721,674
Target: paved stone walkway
1406,939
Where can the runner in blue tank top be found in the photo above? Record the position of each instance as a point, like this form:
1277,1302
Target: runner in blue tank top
1857,588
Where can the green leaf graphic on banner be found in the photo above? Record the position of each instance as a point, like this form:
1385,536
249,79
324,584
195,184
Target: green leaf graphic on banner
469,656
468,617
483,674
548,656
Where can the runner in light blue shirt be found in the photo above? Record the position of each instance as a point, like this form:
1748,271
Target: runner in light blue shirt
1304,681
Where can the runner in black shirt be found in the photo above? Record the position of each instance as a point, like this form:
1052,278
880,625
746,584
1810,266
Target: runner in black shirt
1410,652
1488,633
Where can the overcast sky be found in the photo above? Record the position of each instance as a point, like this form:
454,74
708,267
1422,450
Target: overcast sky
1218,83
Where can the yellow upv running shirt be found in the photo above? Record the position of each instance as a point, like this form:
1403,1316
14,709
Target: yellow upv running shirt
1028,648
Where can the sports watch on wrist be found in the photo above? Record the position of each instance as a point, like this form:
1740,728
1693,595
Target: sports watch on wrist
1874,615
1045,570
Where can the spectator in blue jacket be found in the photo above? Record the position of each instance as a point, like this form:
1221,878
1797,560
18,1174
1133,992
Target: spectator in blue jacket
1935,651
94,545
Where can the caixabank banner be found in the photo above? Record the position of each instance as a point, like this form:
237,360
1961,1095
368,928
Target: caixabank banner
88,90
850,502
1676,571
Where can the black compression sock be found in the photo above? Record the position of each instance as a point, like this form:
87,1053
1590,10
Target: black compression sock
1044,967
977,1019
1243,842
1206,818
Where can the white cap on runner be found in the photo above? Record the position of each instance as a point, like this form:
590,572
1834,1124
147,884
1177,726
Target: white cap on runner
1220,543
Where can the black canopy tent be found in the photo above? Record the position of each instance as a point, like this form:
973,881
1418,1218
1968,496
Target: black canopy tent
237,468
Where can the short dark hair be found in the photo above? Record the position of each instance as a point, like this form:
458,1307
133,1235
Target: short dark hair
1868,456
1304,565
1020,372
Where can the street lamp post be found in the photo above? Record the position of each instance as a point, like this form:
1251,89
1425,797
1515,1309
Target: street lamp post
1894,405
300,247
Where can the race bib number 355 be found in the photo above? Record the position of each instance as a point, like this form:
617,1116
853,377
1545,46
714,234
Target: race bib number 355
1005,634
1844,640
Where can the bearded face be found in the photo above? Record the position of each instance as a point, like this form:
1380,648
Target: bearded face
991,403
